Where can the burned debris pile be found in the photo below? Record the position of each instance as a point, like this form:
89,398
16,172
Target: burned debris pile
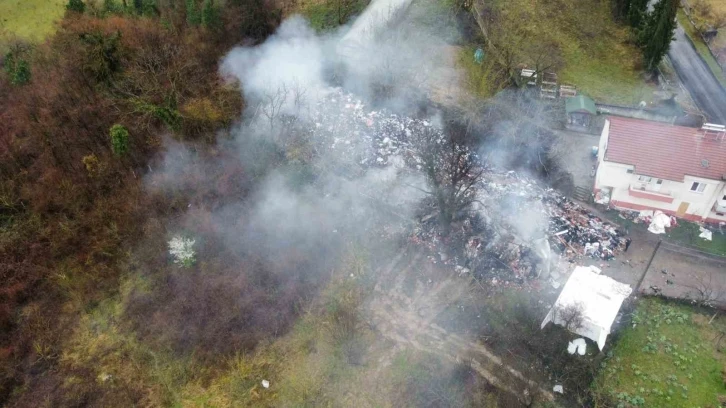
575,230
513,229
519,229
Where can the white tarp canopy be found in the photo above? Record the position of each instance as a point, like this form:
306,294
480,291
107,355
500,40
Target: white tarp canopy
597,297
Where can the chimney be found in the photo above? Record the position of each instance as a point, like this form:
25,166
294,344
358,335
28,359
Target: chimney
712,131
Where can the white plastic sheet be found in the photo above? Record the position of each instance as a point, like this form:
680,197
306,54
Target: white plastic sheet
659,223
577,345
706,234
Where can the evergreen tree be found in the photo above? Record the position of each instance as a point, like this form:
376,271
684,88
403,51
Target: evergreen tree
119,140
21,76
637,13
193,17
150,8
621,8
110,6
210,18
658,32
76,5
139,6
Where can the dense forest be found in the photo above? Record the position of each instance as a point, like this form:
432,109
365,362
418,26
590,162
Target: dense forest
79,127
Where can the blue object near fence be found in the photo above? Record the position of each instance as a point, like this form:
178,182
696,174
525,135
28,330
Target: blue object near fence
479,55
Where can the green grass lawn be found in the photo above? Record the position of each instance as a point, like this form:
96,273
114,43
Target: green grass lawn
29,19
608,76
668,359
701,47
600,57
685,233
597,54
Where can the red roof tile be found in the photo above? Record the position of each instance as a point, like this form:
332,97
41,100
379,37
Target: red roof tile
665,151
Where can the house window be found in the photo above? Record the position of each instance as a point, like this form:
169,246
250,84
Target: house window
697,187
649,180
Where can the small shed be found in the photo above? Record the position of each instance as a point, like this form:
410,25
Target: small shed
580,109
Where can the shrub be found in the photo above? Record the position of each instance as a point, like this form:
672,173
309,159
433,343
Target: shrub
210,18
193,17
119,140
18,69
102,56
111,7
76,6
91,163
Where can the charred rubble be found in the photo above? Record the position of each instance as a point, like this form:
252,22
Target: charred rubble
515,228
489,241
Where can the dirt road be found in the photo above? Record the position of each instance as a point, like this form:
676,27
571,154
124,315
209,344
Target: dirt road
405,307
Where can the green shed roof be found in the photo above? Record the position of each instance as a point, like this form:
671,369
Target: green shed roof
580,103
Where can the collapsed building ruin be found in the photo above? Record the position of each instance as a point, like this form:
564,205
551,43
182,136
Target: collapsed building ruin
516,228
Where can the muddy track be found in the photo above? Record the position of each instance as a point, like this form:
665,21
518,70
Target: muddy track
408,320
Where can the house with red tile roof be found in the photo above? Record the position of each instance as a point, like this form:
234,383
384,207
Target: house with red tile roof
644,165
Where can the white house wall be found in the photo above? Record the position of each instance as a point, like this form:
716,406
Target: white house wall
616,177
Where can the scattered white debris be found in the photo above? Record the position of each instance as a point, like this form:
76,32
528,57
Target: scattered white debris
645,215
603,196
659,223
558,388
265,383
595,269
577,345
182,250
461,270
706,234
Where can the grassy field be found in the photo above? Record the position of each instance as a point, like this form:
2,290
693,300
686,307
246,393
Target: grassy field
687,233
29,19
328,14
597,54
668,358
318,363
701,47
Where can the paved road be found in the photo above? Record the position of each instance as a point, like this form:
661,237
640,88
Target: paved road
697,78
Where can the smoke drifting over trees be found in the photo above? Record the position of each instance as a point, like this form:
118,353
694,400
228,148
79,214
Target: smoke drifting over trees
256,185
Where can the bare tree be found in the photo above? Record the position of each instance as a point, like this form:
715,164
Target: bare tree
705,290
451,170
272,103
571,316
514,48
